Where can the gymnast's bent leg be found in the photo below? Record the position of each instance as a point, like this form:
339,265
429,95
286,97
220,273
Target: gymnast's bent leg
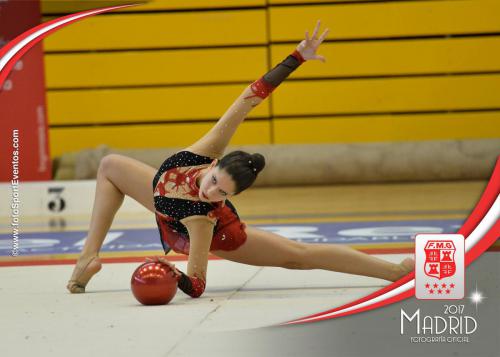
264,248
117,176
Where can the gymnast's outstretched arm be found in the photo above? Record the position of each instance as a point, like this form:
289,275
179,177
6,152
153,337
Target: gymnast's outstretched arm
216,140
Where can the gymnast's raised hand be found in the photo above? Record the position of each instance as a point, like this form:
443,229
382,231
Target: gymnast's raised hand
307,47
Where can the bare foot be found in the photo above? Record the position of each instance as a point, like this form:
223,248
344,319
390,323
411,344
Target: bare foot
85,268
405,267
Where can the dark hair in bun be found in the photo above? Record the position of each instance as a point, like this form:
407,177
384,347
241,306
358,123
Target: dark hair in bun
242,167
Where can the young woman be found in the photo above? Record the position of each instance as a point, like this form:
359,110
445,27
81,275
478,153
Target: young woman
193,213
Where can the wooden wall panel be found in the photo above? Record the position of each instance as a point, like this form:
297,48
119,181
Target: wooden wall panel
161,30
149,136
144,104
405,57
387,19
379,128
138,68
58,6
387,95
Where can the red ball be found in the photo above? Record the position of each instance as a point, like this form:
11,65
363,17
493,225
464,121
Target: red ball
153,283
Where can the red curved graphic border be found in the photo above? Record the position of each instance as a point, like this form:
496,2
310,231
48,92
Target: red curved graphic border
483,206
4,72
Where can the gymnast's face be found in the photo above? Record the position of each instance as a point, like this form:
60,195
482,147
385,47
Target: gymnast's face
216,184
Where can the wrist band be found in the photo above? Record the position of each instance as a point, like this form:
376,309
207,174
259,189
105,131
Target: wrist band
298,56
272,79
192,286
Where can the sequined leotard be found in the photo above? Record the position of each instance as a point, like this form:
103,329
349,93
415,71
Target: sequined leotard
176,199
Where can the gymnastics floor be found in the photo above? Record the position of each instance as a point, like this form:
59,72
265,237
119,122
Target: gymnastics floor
45,320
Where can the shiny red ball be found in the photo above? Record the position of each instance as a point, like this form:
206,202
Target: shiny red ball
153,283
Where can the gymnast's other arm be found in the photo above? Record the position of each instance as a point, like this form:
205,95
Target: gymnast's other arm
214,142
200,230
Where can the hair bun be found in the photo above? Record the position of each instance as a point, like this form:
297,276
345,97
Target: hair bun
258,162
243,168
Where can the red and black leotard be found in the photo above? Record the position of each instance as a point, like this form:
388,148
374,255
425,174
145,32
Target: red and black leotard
176,198
176,192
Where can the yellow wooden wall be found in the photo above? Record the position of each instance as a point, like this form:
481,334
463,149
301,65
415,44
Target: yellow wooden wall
161,74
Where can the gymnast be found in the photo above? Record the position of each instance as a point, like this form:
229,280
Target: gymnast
189,195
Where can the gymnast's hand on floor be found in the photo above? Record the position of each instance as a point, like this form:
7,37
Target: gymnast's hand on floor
307,48
167,263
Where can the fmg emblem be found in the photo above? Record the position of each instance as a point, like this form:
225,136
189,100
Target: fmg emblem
439,266
439,258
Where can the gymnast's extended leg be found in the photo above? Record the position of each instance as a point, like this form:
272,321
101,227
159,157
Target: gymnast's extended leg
264,248
117,176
